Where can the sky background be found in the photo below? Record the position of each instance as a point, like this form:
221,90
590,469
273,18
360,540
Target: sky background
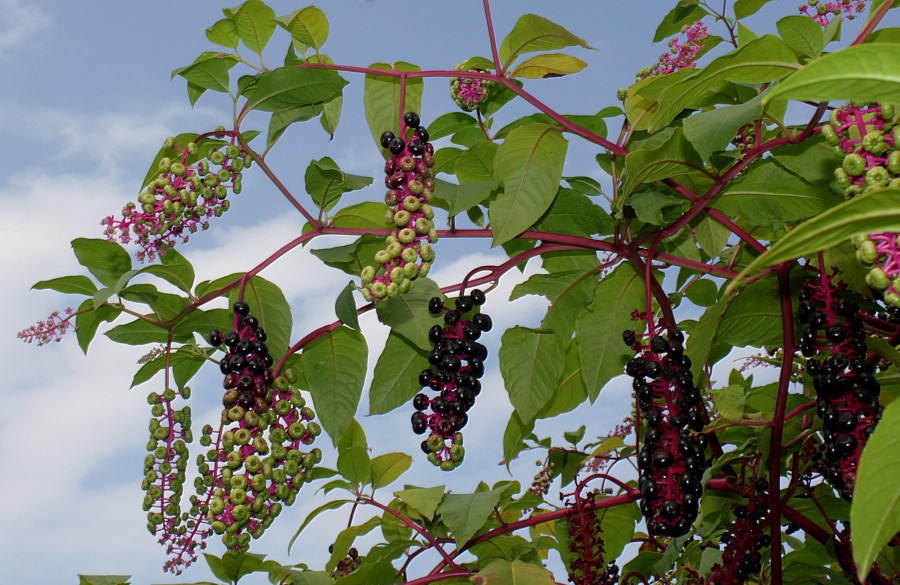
85,104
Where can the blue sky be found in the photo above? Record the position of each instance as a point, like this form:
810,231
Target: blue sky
86,101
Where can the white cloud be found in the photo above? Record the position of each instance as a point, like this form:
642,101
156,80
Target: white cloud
20,22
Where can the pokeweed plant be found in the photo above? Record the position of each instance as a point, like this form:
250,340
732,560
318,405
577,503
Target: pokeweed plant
708,178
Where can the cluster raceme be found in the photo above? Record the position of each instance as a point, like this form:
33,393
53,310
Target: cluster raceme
673,458
458,362
824,12
256,465
470,93
844,380
540,486
682,52
164,477
188,191
409,179
51,329
346,565
744,539
586,566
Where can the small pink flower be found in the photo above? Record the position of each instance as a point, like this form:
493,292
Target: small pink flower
43,332
681,54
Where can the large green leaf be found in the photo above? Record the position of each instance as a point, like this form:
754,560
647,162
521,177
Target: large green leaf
138,332
365,215
875,513
802,34
767,194
335,366
529,163
174,269
574,214
326,182
345,307
570,389
332,505
208,72
713,130
745,8
865,73
477,163
282,119
599,329
408,315
105,260
548,65
535,33
382,99
87,322
658,162
351,258
78,284
514,437
685,12
425,501
465,514
268,304
388,467
464,197
306,25
292,87
254,23
224,32
531,361
504,572
396,377
877,211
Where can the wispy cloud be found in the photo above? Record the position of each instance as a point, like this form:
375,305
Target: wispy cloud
20,22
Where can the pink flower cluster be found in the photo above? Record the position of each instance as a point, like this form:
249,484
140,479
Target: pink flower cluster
681,54
823,12
52,329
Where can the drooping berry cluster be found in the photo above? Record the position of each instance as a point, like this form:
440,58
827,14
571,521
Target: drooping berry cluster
164,477
844,380
346,565
824,12
182,198
866,136
681,54
880,253
256,465
470,93
51,329
458,362
540,486
585,540
410,181
744,539
673,458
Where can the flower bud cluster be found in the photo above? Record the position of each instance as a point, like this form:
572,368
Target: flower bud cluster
744,539
458,362
585,540
51,329
681,54
187,192
409,179
824,12
844,380
470,93
256,465
673,458
164,477
866,136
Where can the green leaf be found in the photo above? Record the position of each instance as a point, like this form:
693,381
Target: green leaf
105,260
186,362
703,293
408,315
174,269
618,524
531,361
586,185
209,73
86,323
514,437
253,20
267,303
148,370
224,32
345,539
875,512
138,332
335,367
465,196
599,329
649,205
802,34
104,579
504,572
865,73
575,436
425,501
572,213
713,130
548,65
730,402
351,258
396,377
332,505
79,284
325,181
534,33
767,194
529,163
345,307
877,211
282,119
388,467
382,99
753,316
765,59
331,114
465,514
652,164
292,87
476,164
685,12
286,576
354,465
570,389
365,215
203,322
307,25
744,8
378,573
449,124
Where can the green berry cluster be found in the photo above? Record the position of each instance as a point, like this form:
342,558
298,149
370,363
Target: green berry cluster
192,186
470,93
256,465
164,477
408,253
346,565
865,135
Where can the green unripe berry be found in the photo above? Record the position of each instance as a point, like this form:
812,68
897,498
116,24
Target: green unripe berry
877,176
177,169
842,178
216,157
854,164
394,249
892,298
282,407
169,143
447,465
389,217
432,458
407,235
233,460
423,225
232,151
382,256
165,164
401,218
298,401
416,187
405,285
152,398
893,161
221,193
427,211
237,184
876,278
260,445
874,142
253,464
411,203
379,290
410,270
296,430
242,436
397,273
830,135
314,429
235,413
238,496
424,268
277,435
307,413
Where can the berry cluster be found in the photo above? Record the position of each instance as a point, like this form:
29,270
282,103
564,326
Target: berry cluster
257,464
672,459
744,540
866,136
845,384
823,12
164,477
52,329
182,198
346,565
458,361
585,541
543,478
410,181
470,93
681,54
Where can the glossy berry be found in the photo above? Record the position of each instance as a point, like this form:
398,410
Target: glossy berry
411,119
386,137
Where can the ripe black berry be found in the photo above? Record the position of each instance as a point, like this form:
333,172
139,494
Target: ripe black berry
241,308
411,119
386,138
478,297
215,338
483,321
396,145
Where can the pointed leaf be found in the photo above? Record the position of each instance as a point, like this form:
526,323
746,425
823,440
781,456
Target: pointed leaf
802,33
396,377
425,501
531,362
345,307
745,8
535,33
174,269
388,467
332,505
382,99
224,32
408,315
548,65
292,87
660,162
514,437
504,572
105,260
345,539
253,20
465,514
138,332
104,579
78,284
86,323
268,304
210,73
307,25
684,13
713,130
